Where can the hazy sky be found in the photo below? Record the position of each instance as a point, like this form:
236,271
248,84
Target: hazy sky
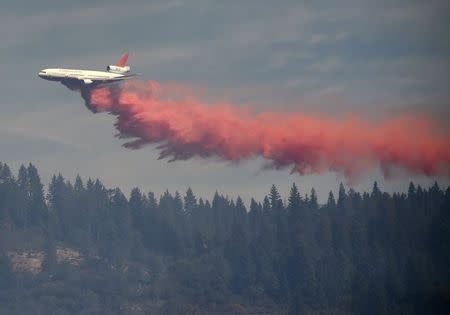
372,58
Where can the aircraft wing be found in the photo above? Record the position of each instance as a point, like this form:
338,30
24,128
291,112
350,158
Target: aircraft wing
90,80
125,77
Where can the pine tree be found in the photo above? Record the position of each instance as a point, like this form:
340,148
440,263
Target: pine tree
240,207
313,203
266,204
190,201
255,217
119,235
20,198
152,202
411,191
294,199
275,199
342,197
331,203
166,202
254,206
137,208
201,203
376,193
7,184
5,174
178,203
22,179
57,198
38,208
78,186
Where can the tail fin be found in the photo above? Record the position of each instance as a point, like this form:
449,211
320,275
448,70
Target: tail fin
122,60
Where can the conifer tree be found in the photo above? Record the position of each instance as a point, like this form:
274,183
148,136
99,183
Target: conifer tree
137,208
294,199
38,208
313,203
190,201
266,204
275,199
331,203
342,197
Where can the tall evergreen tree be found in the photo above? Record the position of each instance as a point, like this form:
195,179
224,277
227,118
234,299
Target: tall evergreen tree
331,203
152,202
178,203
190,201
313,203
411,191
294,199
38,208
275,199
342,197
266,204
137,208
240,207
376,193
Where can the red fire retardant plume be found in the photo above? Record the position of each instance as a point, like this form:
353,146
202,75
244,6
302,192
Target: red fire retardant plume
185,127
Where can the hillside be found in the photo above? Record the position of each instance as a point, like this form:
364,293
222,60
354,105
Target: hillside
81,248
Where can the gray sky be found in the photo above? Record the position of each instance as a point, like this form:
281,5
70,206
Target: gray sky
367,57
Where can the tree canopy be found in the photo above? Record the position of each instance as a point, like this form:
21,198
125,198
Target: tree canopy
366,253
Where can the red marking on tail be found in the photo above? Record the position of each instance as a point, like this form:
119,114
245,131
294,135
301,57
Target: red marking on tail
122,60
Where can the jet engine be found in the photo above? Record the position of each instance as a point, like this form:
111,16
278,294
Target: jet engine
117,69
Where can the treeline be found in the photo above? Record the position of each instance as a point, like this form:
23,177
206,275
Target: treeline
369,253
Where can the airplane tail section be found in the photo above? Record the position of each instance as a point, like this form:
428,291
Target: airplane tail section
120,66
122,60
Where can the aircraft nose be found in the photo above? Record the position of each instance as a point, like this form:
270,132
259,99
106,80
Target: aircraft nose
42,73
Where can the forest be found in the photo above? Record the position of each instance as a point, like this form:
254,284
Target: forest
82,248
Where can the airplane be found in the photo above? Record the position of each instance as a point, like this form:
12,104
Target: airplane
113,73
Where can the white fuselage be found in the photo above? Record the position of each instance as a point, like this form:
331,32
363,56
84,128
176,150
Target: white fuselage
86,76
